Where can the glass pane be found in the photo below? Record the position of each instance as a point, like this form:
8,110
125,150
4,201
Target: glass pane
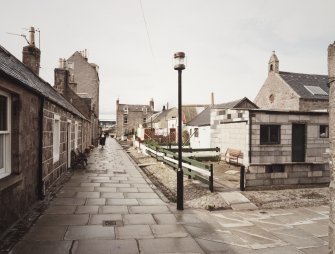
2,151
274,134
3,113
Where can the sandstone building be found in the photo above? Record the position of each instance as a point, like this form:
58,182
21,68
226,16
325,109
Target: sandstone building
129,117
292,91
85,83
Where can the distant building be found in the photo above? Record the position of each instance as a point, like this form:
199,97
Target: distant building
292,91
85,83
199,129
129,117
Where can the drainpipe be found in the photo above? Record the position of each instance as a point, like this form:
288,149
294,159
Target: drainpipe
250,133
40,189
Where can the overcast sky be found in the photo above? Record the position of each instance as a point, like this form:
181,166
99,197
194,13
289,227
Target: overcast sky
227,43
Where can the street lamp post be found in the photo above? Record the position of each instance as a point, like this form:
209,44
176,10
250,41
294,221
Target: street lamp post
179,58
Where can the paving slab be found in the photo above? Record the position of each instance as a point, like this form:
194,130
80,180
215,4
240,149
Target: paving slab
46,233
68,201
98,219
168,231
170,245
89,232
95,201
133,232
61,209
122,201
149,209
105,246
42,247
244,206
87,209
60,219
234,197
113,209
138,219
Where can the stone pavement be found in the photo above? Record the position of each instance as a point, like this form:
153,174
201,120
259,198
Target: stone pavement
111,207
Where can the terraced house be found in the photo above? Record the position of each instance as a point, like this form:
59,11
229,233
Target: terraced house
38,130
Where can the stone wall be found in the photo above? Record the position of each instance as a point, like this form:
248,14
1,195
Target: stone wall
18,191
230,133
53,170
271,165
331,75
285,175
276,94
307,105
135,117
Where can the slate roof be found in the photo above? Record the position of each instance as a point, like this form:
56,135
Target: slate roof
133,108
234,104
160,115
15,69
298,81
203,119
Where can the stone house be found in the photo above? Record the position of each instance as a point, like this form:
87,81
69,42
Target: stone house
159,121
292,91
85,83
37,127
280,148
129,117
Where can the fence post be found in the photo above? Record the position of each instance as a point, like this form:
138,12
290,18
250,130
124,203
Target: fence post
242,174
211,180
156,153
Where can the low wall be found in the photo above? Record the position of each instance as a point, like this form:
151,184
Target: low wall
267,176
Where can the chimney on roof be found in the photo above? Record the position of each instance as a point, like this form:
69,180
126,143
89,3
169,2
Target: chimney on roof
331,64
212,99
61,77
164,108
151,104
31,56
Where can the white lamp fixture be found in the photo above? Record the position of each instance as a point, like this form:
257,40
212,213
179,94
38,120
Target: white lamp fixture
179,61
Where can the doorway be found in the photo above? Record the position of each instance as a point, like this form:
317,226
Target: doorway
68,138
298,142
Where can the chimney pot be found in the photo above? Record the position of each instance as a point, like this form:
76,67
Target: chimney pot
32,36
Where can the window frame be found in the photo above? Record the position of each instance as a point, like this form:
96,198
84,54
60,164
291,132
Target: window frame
7,168
76,134
268,129
326,126
125,119
196,132
56,138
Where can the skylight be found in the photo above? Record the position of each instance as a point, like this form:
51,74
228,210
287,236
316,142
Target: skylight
315,90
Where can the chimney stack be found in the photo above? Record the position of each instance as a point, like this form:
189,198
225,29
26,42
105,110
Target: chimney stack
331,63
212,99
151,103
61,77
31,56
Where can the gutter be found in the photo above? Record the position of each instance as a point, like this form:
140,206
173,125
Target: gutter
40,186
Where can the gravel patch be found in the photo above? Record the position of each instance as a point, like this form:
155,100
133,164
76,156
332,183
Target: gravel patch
196,194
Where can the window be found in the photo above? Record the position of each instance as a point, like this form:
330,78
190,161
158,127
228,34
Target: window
190,132
144,120
145,110
270,134
56,138
228,116
324,131
5,135
222,112
239,115
75,135
125,120
125,111
196,132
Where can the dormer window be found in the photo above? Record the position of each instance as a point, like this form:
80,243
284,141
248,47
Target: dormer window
125,110
145,110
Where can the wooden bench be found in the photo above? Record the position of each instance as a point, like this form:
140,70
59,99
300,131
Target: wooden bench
78,159
233,155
